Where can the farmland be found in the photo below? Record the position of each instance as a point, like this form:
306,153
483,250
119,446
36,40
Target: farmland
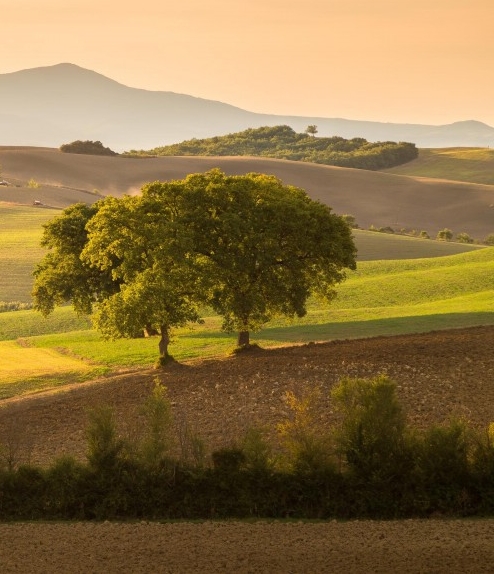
461,164
421,311
380,298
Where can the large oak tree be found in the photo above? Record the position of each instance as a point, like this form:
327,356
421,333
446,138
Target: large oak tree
248,246
260,248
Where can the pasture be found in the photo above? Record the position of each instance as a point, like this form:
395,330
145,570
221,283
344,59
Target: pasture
21,230
474,165
380,298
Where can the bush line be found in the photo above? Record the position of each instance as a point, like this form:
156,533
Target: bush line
370,465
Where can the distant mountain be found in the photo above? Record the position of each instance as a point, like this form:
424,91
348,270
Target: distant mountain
58,104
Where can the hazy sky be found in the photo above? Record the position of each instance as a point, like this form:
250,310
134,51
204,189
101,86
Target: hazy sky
415,61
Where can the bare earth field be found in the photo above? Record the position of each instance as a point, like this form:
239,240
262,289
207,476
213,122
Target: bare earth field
413,546
441,374
374,198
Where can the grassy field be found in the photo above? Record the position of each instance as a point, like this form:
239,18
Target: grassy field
475,165
21,230
380,298
20,234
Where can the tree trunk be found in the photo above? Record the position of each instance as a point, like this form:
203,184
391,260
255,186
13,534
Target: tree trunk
243,339
164,341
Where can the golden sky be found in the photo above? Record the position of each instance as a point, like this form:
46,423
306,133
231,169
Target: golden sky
412,61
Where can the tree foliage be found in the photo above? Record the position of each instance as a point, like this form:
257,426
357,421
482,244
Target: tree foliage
261,248
87,147
311,130
444,234
62,275
248,246
283,142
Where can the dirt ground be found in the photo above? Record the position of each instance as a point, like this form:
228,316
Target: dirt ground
413,546
439,375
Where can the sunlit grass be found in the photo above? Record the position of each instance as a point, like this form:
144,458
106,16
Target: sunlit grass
20,235
474,165
21,231
379,298
27,369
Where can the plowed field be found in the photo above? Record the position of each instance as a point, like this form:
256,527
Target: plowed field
439,375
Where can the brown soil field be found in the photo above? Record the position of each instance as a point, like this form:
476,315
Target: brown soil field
439,375
374,198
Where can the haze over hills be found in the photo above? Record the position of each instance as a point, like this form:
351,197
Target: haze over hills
52,105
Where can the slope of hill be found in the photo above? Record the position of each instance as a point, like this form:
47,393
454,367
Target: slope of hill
282,142
439,376
374,198
21,231
53,105
475,165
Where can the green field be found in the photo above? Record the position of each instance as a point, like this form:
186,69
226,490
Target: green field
20,234
475,165
379,298
21,231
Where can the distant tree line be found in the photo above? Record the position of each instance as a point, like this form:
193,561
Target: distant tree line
87,147
282,142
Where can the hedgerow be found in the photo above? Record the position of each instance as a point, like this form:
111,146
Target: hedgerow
370,465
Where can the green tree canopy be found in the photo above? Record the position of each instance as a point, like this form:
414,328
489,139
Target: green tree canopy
62,276
88,147
248,246
260,247
283,142
311,130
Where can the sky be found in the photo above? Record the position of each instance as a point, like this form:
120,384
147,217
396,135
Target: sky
406,61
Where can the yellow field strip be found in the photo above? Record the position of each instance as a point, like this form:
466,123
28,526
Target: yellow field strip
17,362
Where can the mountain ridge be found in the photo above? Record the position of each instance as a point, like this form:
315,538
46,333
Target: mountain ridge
52,105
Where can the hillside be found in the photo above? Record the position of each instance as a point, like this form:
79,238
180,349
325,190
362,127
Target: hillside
52,105
475,165
374,198
438,375
282,142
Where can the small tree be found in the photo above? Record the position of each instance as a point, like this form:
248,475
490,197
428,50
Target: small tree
424,235
372,436
311,130
350,220
489,240
445,235
464,238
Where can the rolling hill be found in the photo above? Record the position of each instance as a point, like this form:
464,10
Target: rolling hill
52,105
474,165
374,198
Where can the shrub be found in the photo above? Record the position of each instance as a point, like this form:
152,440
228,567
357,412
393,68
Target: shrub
158,440
307,448
87,147
372,436
445,235
104,445
464,238
443,460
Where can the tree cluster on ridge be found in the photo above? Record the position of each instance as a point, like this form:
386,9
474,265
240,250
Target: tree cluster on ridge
282,142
